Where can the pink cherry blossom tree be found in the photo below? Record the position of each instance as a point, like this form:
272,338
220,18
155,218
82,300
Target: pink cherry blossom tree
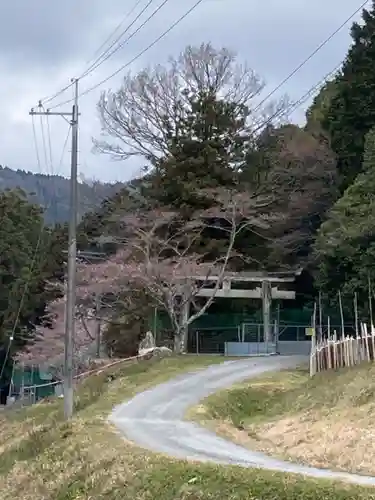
159,256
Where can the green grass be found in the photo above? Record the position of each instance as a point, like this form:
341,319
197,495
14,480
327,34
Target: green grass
290,392
265,398
44,458
325,421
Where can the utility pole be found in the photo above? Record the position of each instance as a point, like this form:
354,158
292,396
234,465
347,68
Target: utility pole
89,257
72,251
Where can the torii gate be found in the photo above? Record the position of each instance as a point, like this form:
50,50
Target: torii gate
267,290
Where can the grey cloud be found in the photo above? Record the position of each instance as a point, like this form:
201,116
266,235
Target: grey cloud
45,31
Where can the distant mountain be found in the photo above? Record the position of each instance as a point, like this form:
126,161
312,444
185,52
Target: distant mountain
52,192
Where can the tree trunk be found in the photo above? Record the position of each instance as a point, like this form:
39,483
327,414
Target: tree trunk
177,343
180,340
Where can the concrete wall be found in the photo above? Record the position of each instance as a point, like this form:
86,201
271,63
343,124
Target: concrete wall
285,347
248,348
290,347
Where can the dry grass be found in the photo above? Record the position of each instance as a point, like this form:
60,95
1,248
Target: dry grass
327,421
44,458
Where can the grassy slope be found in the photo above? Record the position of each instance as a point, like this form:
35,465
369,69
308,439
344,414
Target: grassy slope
41,457
326,421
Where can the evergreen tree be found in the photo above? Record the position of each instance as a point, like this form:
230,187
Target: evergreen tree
207,152
31,264
317,112
345,246
351,113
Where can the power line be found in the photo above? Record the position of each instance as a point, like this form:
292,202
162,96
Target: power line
25,290
101,58
140,54
285,80
299,102
295,105
33,260
107,54
312,54
47,99
128,14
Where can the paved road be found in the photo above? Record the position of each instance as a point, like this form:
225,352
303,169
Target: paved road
154,419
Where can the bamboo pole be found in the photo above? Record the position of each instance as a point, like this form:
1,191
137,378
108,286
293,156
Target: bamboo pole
320,316
313,353
313,356
335,361
351,354
347,354
361,346
356,313
342,352
356,351
326,355
341,316
370,299
329,352
367,345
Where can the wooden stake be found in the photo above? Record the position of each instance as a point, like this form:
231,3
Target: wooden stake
320,316
367,345
335,360
370,300
342,316
314,352
356,313
329,351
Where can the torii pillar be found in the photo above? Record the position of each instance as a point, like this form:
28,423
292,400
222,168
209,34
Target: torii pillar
266,310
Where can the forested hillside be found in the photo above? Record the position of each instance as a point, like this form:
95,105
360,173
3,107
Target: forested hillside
51,192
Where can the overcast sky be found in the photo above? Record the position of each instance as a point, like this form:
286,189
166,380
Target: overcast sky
44,43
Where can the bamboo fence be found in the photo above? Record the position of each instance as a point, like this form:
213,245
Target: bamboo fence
338,351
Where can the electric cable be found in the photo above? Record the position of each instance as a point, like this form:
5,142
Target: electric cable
299,102
127,15
107,54
270,94
50,98
312,54
140,54
33,260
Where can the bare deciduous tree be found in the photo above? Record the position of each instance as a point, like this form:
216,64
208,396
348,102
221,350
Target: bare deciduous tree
159,257
140,118
303,171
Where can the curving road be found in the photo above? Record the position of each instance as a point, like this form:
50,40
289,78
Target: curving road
154,419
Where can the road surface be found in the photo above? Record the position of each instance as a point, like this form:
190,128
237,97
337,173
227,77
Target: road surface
154,419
